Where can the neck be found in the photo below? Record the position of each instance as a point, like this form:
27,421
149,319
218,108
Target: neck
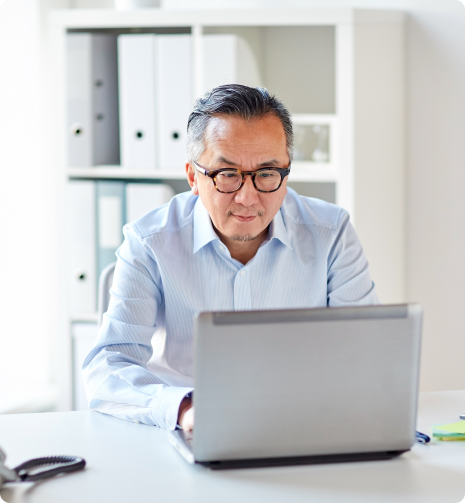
243,251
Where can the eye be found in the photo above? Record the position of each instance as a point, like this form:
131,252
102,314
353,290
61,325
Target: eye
267,174
228,174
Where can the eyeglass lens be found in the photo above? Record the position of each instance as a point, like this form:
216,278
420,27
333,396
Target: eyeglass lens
228,181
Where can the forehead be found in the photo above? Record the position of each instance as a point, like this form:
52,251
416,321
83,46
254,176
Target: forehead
263,135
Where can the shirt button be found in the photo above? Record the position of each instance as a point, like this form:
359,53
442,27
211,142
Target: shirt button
242,273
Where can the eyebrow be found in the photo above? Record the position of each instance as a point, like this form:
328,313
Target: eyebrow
271,162
223,160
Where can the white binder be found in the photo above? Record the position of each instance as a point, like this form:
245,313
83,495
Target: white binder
144,197
110,212
174,98
136,77
92,85
228,59
81,268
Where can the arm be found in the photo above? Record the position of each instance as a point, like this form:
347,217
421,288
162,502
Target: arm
115,371
349,281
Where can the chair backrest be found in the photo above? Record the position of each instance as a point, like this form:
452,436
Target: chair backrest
105,282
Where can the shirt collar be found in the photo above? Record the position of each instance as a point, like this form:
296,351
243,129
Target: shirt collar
204,232
203,228
278,230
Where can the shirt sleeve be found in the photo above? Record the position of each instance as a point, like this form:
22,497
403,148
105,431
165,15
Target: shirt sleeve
349,281
115,372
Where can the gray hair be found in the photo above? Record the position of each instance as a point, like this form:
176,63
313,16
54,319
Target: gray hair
240,101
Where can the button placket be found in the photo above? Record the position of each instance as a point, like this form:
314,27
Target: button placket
242,294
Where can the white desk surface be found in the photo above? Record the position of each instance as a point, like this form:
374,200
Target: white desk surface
129,462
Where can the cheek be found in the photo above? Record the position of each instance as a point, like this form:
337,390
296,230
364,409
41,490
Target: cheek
272,205
216,203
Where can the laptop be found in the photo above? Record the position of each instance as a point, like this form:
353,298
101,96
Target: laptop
303,386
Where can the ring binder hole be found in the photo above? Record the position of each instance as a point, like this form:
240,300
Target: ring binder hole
81,275
99,117
98,83
139,134
175,135
76,129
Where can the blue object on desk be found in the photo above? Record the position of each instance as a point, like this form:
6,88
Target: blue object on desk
422,438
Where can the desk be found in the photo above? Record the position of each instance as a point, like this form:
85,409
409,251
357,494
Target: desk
134,463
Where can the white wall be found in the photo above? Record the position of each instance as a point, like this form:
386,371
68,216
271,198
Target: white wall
24,266
28,243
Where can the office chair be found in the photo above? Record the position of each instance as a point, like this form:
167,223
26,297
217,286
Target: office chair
104,285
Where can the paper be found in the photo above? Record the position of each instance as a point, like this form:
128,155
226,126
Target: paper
452,431
458,427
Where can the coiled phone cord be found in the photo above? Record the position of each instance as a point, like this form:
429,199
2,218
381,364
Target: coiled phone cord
43,468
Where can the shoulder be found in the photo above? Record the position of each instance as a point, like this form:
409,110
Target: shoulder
169,218
310,211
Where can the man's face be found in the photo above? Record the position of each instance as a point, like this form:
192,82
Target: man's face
232,142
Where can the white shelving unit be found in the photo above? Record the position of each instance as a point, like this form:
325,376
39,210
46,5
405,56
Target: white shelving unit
344,66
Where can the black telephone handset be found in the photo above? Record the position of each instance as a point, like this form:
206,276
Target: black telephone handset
39,468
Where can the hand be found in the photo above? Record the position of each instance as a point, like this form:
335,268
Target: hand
186,415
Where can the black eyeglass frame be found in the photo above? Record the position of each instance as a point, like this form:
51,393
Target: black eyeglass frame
283,172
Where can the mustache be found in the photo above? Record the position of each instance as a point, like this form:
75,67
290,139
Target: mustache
256,213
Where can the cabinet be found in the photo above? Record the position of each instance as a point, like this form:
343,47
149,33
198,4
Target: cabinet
341,74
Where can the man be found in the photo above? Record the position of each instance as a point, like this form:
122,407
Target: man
239,241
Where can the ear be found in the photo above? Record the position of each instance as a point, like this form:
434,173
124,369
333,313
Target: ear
192,179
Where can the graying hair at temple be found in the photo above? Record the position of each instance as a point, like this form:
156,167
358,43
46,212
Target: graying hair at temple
248,103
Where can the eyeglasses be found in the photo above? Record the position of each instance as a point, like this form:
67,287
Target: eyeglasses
229,180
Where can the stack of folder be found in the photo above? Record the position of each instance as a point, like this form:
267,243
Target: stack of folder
130,95
97,212
452,431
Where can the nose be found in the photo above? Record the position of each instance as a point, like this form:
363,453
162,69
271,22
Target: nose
248,194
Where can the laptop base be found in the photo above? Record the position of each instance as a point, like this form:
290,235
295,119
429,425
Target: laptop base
300,460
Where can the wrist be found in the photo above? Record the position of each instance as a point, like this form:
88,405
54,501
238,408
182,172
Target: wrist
184,406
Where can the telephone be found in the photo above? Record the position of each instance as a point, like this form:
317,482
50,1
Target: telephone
38,468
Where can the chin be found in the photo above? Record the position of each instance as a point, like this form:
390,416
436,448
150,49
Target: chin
243,237
243,232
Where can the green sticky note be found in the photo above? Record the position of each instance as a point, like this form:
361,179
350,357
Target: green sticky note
458,427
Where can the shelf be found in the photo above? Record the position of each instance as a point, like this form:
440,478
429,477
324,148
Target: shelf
312,172
110,18
333,49
118,173
301,172
85,318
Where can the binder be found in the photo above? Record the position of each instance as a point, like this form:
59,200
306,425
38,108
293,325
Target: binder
144,197
82,274
174,98
228,59
136,77
92,90
105,100
110,206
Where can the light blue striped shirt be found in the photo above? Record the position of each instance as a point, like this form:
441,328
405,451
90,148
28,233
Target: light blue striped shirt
172,265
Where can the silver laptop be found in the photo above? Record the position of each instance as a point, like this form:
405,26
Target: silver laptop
303,386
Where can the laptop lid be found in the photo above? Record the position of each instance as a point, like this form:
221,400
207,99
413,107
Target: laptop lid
305,382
